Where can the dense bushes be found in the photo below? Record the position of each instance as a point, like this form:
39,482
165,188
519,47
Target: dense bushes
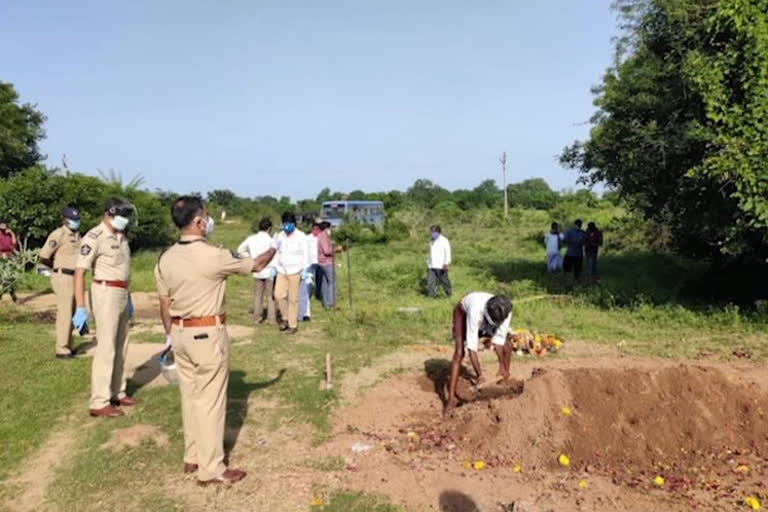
32,202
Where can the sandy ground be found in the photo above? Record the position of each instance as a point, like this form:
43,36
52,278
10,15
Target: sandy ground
698,424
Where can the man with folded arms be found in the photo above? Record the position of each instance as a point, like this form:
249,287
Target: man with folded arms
191,280
105,250
60,255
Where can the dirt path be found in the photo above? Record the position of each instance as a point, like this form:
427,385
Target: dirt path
37,470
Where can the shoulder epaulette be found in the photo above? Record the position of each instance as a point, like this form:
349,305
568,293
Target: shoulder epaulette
95,233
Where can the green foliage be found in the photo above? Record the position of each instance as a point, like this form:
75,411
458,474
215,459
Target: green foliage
680,129
359,233
532,193
12,269
32,201
21,128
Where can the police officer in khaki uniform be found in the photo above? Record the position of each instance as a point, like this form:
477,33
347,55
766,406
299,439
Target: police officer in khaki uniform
105,249
191,281
60,255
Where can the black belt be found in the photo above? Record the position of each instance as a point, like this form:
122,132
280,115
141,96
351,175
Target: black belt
65,271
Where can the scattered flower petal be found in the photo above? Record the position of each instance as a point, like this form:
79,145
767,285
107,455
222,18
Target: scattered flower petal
659,480
564,460
478,465
583,484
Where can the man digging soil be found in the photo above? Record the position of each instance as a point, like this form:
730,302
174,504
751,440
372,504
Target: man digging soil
479,315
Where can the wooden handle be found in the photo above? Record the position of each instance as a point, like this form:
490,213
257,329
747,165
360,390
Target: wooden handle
489,383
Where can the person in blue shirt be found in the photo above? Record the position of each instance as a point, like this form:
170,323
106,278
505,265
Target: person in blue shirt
574,255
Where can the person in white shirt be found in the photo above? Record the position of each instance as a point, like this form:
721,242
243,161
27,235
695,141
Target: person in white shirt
305,289
553,240
439,262
479,315
254,246
292,260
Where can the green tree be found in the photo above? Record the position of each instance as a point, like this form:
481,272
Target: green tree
532,193
680,131
222,197
427,194
21,128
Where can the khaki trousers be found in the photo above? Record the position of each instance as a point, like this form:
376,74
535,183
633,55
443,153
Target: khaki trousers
287,297
109,306
202,362
262,288
63,287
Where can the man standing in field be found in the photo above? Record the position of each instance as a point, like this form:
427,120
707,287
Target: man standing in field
292,262
305,306
574,255
263,281
552,240
439,262
593,240
479,315
326,266
191,281
105,249
8,245
59,253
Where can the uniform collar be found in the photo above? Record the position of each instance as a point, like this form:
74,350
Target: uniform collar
109,231
190,238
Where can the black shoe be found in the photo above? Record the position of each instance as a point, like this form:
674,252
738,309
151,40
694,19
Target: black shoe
14,298
306,319
283,326
65,356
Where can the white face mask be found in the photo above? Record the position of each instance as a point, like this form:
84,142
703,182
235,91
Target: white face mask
119,222
210,225
74,225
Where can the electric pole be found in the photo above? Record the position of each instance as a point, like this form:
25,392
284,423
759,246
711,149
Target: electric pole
503,161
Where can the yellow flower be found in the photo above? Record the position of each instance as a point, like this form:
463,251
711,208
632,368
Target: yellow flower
753,503
564,460
466,464
558,343
743,469
518,468
567,411
583,484
318,501
478,465
659,480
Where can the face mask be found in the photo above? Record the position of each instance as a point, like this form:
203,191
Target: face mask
74,225
119,222
289,227
489,320
435,235
210,225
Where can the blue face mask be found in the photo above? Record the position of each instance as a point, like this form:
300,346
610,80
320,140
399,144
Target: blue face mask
435,235
74,225
289,227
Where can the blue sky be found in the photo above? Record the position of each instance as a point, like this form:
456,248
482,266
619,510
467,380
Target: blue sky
288,97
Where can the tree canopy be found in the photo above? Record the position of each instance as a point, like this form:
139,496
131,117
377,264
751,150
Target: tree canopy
21,128
681,129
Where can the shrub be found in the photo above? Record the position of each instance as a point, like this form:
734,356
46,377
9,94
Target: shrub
32,202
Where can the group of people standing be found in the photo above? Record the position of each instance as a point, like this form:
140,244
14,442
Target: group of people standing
304,261
579,243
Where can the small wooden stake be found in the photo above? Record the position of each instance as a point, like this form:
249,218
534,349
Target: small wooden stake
328,370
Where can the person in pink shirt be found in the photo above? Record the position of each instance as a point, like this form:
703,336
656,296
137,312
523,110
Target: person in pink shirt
8,245
326,269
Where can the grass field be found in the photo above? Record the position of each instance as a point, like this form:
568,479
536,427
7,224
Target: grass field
637,307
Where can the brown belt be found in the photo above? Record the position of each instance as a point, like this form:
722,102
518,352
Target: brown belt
200,321
114,284
65,271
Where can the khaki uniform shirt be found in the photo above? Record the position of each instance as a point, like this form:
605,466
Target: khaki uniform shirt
108,253
193,273
62,247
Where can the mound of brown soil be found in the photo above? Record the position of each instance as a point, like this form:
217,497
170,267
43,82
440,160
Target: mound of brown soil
689,424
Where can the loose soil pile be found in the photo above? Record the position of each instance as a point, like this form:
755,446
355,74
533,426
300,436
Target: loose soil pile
705,434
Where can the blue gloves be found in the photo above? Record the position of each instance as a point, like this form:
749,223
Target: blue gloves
304,274
80,320
272,272
130,307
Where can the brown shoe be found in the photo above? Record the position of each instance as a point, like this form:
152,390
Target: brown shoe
107,412
229,476
190,468
125,402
